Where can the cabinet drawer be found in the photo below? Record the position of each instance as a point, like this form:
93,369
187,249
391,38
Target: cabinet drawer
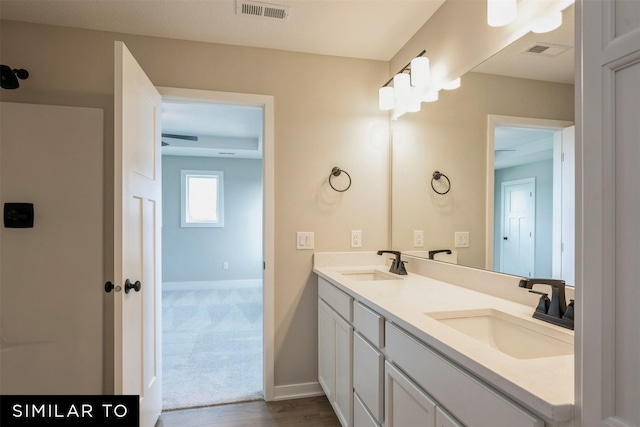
338,300
361,417
368,376
473,403
369,323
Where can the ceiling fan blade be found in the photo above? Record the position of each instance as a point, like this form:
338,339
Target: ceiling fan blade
164,144
185,137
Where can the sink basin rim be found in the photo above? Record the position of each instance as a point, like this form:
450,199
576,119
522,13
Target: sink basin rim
368,275
553,342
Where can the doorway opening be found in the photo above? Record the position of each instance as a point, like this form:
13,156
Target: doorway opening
217,285
530,197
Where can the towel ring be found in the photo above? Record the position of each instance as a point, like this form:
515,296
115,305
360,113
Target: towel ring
436,177
336,171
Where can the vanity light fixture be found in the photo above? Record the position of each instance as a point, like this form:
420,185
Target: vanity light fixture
402,89
453,84
501,12
547,23
409,85
420,75
430,96
386,99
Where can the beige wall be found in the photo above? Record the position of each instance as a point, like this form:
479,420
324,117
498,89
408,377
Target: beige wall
325,115
450,136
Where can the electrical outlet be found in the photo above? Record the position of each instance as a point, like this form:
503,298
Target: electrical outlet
418,238
225,265
356,238
304,240
461,239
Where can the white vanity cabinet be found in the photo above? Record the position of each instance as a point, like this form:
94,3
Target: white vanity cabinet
469,400
376,374
335,349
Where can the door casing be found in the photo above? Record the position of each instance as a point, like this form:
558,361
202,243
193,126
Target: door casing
266,102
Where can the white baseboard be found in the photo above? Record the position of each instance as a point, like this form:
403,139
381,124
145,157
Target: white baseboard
297,391
211,284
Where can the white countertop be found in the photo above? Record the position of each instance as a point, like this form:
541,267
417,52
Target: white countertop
545,385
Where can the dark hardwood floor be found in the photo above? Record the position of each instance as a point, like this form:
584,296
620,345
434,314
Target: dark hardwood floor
309,412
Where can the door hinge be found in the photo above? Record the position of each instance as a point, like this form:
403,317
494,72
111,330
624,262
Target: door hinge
264,265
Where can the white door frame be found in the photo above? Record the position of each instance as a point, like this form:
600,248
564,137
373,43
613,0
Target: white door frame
494,120
266,102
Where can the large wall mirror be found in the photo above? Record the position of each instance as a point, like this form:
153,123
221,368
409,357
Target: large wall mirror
504,142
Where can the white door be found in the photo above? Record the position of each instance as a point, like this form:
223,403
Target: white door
608,198
137,176
518,219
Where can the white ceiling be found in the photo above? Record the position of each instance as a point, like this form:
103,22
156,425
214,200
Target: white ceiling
222,130
515,146
370,29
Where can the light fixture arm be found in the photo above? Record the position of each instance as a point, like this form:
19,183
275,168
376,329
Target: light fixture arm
404,68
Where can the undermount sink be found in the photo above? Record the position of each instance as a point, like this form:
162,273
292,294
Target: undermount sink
369,275
513,336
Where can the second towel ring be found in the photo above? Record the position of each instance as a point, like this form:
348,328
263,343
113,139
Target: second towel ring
436,177
336,171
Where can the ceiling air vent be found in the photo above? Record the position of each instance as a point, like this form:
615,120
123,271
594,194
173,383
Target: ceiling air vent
546,49
259,9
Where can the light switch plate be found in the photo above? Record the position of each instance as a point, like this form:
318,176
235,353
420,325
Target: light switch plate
304,240
461,239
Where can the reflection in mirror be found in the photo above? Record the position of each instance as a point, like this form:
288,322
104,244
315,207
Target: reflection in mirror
516,100
530,197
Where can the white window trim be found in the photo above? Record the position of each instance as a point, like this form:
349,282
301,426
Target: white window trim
183,198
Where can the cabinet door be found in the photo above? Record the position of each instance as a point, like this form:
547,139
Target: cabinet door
406,404
444,420
326,349
343,397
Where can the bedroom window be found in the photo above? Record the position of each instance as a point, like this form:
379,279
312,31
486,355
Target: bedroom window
202,198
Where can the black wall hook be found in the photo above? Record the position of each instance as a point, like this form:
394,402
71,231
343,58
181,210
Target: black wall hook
9,77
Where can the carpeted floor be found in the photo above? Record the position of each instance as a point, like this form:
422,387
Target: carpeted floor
212,345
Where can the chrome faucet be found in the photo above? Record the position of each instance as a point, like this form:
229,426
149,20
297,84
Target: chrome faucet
555,310
397,266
